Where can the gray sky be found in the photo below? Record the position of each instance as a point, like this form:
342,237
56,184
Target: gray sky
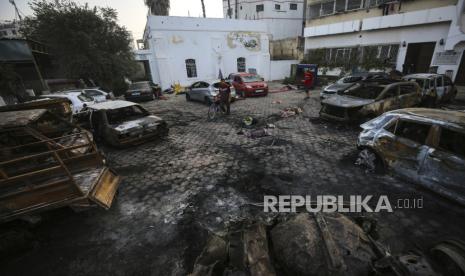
131,13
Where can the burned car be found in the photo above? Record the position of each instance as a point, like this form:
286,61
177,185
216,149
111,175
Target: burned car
369,100
122,123
435,88
348,81
424,145
46,163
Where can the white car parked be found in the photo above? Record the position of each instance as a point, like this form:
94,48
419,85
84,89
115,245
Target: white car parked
77,99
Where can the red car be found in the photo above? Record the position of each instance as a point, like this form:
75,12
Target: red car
249,85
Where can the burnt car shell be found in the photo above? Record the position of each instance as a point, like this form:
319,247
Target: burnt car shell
368,100
422,145
112,122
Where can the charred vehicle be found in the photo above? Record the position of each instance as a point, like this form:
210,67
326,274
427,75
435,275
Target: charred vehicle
423,145
59,106
46,163
369,100
435,88
347,82
122,123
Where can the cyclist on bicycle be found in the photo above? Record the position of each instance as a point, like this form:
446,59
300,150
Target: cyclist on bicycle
225,92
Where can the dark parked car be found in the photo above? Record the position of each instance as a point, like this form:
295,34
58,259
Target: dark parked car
369,100
249,85
348,81
423,145
142,91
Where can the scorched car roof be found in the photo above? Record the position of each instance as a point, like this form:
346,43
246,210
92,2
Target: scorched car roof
109,105
444,116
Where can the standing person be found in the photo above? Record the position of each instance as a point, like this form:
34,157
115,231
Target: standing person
308,82
225,93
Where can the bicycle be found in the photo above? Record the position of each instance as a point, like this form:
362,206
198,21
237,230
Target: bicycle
215,108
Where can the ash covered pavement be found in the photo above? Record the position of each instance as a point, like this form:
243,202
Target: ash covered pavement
204,176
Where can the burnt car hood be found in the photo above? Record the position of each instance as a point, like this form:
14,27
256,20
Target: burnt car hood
338,87
347,101
148,122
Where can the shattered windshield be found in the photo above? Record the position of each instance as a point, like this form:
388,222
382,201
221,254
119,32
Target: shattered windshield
365,92
139,86
120,115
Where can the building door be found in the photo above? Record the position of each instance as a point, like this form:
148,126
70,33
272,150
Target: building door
460,77
418,58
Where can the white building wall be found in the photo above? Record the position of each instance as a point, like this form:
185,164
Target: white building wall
280,69
283,23
214,44
432,25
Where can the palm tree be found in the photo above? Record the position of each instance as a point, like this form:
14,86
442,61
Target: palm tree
203,8
158,7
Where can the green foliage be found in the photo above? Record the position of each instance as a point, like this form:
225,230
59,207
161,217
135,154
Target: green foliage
352,58
9,80
159,7
86,42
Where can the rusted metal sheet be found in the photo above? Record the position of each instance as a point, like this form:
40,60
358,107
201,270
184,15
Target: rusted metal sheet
39,172
59,106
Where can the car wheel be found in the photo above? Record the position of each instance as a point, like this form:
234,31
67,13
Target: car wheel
368,159
188,97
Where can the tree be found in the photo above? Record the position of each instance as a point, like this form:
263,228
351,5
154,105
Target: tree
203,8
158,7
85,42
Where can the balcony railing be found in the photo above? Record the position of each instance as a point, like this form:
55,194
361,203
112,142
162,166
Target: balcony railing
331,7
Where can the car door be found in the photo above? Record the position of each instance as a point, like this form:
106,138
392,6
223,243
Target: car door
440,89
203,90
408,95
444,165
449,88
388,100
403,146
194,91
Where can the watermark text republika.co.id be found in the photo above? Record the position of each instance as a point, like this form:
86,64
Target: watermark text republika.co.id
338,203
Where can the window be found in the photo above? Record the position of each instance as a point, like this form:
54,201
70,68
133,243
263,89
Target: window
260,8
203,84
241,64
238,79
452,141
191,68
277,7
407,89
92,92
439,82
327,8
447,81
293,6
391,93
412,131
354,4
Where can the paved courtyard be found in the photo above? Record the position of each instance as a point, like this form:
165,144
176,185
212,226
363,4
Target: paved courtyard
203,176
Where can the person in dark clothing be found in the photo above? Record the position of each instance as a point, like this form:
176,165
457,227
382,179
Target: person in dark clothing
225,93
